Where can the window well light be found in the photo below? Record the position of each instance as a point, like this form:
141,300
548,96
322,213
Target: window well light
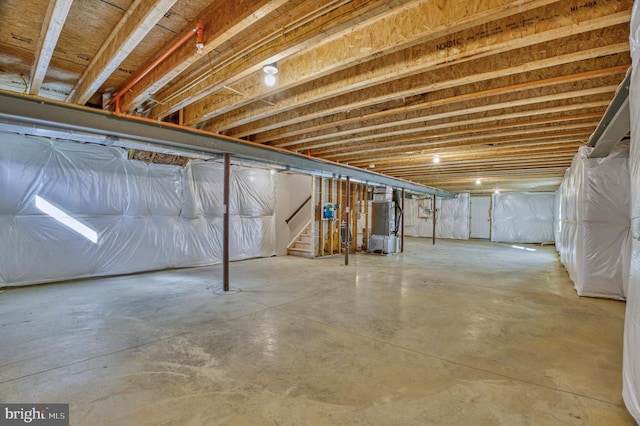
270,71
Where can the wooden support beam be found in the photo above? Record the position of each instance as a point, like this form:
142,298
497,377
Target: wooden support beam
481,106
54,20
136,23
417,23
298,29
522,150
350,152
449,145
222,21
300,107
505,85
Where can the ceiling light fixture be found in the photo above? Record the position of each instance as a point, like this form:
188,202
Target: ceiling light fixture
372,166
436,159
497,191
270,70
478,181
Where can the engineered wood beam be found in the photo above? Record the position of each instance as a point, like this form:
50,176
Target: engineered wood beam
442,99
135,24
305,105
54,20
409,161
414,24
368,148
446,147
364,131
222,21
414,135
284,41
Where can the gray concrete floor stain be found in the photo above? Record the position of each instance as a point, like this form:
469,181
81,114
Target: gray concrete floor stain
453,334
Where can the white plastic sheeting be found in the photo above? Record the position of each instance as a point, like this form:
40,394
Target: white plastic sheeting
522,217
594,223
452,218
70,210
631,352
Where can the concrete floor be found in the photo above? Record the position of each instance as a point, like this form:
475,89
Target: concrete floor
457,334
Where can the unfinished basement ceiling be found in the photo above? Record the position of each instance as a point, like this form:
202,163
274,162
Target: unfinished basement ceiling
504,91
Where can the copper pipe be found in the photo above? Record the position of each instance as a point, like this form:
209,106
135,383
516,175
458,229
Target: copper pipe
198,30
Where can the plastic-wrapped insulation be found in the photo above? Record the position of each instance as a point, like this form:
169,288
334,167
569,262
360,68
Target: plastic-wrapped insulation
631,352
111,215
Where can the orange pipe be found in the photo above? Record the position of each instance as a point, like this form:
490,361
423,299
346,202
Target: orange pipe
198,30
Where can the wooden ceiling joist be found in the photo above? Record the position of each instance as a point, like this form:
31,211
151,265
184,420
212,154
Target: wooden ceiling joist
390,147
336,93
54,20
505,90
136,23
450,96
391,128
415,24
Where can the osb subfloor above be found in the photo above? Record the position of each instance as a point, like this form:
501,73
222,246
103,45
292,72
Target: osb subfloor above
504,91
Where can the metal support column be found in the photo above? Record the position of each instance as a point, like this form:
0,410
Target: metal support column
434,218
347,244
402,223
225,229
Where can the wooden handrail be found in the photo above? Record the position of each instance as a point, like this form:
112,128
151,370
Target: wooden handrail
298,209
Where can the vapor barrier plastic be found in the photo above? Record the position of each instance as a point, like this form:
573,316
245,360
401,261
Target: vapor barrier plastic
631,351
594,223
522,217
70,210
452,217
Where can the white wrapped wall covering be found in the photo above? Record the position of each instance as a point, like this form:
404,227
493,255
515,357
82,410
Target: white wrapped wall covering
452,218
594,206
143,216
522,217
631,351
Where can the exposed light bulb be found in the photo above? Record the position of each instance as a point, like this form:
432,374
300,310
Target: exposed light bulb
436,159
497,191
269,79
478,181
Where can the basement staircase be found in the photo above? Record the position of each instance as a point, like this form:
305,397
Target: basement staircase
302,245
